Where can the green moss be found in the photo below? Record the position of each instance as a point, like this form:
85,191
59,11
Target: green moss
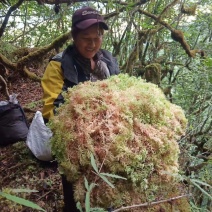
130,128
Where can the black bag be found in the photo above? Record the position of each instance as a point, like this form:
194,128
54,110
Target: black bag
13,124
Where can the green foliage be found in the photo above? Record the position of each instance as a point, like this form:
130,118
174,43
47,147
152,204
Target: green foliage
90,187
36,25
21,200
193,92
197,183
104,175
33,105
7,49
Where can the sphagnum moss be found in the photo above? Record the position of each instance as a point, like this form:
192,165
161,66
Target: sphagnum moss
130,128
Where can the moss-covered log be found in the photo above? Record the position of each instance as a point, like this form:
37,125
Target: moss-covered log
31,75
33,56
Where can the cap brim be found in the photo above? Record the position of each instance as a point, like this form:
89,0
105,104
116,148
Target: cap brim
87,23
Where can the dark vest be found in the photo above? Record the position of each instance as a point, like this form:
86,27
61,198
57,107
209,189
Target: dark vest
73,75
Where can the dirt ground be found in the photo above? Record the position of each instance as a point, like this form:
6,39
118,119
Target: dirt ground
19,169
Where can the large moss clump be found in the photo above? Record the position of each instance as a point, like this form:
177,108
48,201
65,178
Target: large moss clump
132,131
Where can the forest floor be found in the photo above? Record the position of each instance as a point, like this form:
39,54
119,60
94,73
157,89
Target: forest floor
19,169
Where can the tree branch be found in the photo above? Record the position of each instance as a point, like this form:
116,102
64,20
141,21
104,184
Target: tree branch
20,65
42,51
31,75
148,204
124,8
167,8
176,35
6,62
75,1
12,8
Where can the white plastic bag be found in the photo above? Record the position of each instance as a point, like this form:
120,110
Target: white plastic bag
38,138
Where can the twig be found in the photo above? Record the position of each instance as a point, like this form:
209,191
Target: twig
15,166
44,195
20,164
148,204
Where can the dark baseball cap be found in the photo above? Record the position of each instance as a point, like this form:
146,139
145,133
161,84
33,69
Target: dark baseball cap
86,17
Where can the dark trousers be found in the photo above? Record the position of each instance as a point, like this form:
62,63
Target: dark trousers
68,193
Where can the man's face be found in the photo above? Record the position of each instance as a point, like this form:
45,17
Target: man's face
89,41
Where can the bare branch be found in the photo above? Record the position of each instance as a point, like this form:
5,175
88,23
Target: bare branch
167,8
148,204
12,8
